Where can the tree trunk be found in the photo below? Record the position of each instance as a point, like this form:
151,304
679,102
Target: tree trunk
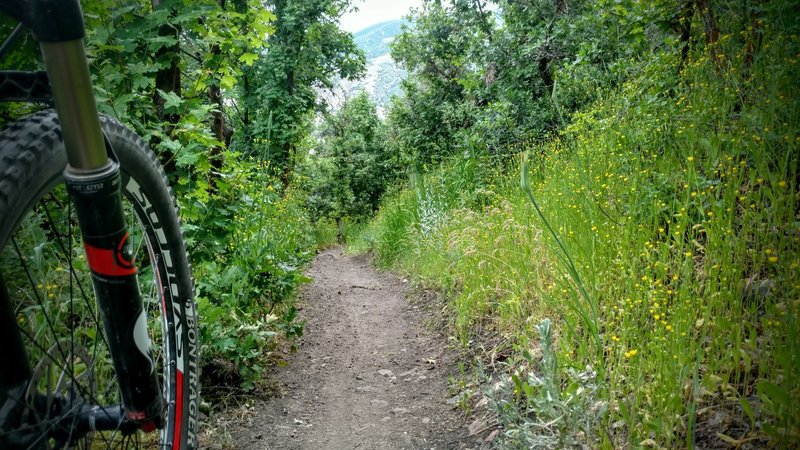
545,51
215,156
544,72
244,132
685,28
168,79
287,146
711,30
484,23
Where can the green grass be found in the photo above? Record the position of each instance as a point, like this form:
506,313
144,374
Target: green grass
671,260
326,232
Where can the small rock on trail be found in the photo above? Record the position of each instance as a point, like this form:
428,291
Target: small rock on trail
341,390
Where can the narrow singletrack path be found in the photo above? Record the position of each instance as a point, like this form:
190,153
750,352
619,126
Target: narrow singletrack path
368,374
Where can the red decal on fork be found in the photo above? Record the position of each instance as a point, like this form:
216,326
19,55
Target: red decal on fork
110,262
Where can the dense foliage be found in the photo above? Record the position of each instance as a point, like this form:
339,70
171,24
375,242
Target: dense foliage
657,224
307,50
224,92
349,169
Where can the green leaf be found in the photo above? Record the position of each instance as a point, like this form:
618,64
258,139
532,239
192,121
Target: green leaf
186,159
747,409
773,392
170,145
142,82
263,22
228,81
155,44
172,101
248,59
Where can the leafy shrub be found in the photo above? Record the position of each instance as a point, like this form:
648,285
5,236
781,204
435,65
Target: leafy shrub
546,408
246,285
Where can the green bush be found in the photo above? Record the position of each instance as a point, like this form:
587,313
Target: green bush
246,286
543,406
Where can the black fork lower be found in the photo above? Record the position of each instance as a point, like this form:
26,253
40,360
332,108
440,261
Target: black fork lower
98,204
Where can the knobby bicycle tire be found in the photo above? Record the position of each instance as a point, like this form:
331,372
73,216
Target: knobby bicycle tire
55,315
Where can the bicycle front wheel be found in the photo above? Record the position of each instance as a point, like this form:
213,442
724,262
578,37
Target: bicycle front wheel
49,294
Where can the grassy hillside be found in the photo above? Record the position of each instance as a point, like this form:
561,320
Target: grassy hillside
658,234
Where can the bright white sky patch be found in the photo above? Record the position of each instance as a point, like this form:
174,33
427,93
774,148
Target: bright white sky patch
371,12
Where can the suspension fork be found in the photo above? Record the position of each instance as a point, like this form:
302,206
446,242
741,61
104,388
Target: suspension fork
93,182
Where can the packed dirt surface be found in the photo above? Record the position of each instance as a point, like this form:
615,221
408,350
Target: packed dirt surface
368,374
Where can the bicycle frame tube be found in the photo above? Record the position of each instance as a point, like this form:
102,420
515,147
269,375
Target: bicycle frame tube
93,182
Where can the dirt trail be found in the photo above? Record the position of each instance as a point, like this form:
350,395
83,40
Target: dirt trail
367,374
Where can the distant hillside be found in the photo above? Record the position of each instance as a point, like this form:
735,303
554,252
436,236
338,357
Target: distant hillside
383,75
375,40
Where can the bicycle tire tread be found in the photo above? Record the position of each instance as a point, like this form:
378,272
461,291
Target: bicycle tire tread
19,160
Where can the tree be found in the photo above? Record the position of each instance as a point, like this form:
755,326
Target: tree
305,54
497,76
353,166
436,105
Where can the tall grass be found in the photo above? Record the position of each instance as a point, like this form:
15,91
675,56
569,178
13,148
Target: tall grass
326,232
661,234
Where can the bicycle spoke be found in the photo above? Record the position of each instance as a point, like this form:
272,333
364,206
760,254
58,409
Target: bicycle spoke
47,319
91,307
71,302
33,285
90,396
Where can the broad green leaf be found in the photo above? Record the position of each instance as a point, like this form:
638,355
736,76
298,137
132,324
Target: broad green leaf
773,392
171,145
172,101
248,58
158,42
142,82
186,158
228,81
